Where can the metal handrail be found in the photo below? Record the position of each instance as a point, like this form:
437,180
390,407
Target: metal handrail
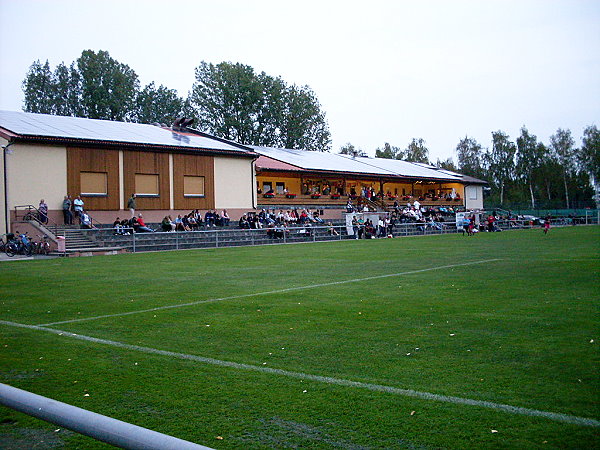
97,426
33,214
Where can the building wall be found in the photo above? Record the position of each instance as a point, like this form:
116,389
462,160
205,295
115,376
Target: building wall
292,183
36,172
149,163
473,197
3,207
193,165
94,160
234,183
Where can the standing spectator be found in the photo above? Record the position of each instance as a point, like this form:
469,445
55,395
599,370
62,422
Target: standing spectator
43,210
380,227
66,207
546,224
131,205
355,227
78,206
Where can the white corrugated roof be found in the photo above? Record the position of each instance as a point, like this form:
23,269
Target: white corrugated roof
30,124
334,162
319,160
409,169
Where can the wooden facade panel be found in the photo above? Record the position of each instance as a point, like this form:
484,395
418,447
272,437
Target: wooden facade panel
193,165
94,160
149,163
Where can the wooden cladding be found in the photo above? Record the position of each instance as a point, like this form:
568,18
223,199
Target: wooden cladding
94,161
147,174
146,163
193,166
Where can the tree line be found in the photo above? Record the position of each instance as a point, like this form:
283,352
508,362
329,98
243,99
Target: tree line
234,102
228,100
522,172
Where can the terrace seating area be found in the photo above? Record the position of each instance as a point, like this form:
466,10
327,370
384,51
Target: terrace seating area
214,237
274,200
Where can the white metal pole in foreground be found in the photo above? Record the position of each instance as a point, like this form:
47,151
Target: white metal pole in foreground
102,428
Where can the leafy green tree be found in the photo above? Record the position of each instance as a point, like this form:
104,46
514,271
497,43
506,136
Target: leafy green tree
158,105
304,125
38,87
470,158
108,88
562,147
448,164
501,161
228,98
416,152
530,157
272,112
589,154
351,150
388,151
233,102
67,91
589,157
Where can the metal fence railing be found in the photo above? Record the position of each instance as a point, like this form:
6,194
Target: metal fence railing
97,426
126,238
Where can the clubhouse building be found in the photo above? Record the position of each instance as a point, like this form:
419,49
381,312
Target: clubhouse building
173,170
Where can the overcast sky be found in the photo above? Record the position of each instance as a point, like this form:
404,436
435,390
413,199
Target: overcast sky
384,71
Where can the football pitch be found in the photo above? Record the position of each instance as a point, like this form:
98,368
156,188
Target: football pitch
443,341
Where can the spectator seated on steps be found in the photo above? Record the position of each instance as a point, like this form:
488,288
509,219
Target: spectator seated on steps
243,222
119,229
167,224
141,226
86,221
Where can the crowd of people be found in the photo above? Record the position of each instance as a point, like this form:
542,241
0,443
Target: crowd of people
193,221
73,209
291,217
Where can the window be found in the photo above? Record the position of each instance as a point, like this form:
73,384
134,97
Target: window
279,187
193,186
146,185
94,184
267,187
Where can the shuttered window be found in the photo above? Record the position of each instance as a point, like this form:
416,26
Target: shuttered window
193,186
94,183
146,185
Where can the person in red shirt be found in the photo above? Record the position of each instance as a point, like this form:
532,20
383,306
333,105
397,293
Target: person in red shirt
142,228
546,224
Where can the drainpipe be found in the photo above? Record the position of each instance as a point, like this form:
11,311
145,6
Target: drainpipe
5,151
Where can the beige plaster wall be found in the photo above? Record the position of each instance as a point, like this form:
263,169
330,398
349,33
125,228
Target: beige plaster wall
36,172
234,183
3,207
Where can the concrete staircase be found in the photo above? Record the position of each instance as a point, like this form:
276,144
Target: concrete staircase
80,242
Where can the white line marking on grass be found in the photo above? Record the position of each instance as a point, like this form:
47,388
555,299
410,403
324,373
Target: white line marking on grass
557,417
277,291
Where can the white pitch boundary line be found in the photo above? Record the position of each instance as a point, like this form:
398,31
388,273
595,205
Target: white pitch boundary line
557,417
277,291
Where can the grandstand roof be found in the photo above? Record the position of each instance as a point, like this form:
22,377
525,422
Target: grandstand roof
332,162
62,129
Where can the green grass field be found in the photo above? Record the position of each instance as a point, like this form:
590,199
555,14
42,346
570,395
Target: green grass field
509,318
